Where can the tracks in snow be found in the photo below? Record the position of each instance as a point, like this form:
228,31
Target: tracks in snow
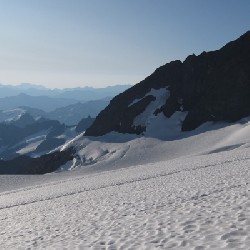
92,182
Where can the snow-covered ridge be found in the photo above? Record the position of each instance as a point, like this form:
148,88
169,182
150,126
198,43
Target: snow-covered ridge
163,140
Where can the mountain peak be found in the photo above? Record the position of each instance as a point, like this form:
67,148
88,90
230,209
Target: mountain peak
247,34
214,86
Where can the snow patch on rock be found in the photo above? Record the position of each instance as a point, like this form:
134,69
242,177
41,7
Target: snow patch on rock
145,118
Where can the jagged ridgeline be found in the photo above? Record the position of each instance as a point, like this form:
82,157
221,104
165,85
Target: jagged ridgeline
214,86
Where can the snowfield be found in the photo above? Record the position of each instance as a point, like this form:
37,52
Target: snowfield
186,191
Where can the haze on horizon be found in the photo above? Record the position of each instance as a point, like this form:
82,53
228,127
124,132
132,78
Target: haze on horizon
62,43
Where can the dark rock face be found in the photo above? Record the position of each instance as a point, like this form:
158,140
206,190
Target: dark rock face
214,86
41,165
121,117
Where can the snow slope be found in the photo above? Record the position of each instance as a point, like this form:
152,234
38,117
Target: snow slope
190,191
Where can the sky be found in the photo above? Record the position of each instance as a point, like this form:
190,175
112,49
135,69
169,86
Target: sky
69,43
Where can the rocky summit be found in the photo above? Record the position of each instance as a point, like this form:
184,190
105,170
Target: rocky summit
213,86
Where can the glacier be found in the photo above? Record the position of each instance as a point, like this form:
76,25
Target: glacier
190,191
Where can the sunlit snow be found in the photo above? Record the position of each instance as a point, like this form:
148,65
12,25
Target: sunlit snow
187,190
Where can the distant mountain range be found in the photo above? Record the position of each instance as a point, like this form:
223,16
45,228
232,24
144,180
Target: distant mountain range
72,114
78,94
34,137
27,136
69,115
67,106
34,125
44,103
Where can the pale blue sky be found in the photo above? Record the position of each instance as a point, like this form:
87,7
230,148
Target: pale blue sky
67,43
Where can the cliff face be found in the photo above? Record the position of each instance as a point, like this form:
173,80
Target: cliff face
214,86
